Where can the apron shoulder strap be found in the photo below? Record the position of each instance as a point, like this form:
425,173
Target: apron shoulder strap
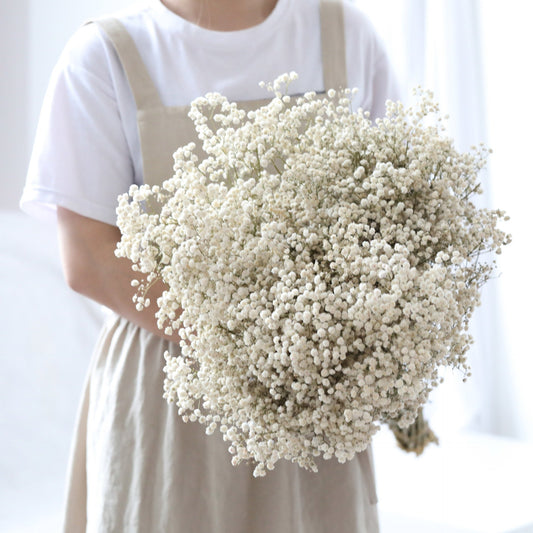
144,90
333,44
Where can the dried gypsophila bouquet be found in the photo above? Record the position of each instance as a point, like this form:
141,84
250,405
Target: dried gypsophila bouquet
321,269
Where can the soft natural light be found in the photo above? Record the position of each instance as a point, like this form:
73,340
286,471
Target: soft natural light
489,100
475,56
472,54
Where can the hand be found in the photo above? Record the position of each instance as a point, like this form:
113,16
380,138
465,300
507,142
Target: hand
91,268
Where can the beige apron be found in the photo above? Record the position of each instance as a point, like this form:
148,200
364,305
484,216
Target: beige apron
136,466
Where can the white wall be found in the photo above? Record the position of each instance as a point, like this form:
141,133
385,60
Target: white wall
14,90
47,331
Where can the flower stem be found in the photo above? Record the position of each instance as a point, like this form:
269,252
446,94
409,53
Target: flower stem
416,437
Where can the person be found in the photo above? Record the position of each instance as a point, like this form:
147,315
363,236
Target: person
114,112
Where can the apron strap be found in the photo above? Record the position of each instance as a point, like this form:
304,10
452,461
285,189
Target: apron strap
333,44
147,96
144,90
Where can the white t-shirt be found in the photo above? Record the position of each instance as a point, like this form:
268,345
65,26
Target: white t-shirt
87,149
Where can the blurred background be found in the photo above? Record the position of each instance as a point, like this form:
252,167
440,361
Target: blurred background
475,56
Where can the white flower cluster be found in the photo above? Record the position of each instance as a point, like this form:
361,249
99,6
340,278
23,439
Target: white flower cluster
321,268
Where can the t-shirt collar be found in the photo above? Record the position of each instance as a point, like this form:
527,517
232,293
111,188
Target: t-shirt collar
222,39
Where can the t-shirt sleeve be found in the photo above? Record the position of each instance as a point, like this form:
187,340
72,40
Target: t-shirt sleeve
384,85
368,66
80,159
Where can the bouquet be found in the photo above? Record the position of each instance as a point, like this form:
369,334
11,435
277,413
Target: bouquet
321,269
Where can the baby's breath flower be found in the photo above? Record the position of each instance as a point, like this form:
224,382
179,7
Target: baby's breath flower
321,269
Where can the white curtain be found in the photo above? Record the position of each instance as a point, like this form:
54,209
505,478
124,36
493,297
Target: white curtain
448,46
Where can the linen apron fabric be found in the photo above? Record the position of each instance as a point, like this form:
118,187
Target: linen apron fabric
136,466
